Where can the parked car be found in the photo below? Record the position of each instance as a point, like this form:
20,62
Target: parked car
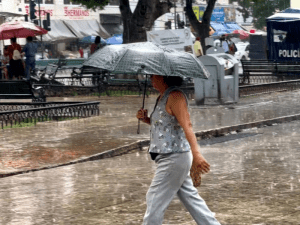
242,51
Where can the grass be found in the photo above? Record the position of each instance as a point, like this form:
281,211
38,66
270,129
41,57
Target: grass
32,122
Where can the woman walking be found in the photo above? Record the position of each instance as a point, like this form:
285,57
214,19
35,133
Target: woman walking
173,146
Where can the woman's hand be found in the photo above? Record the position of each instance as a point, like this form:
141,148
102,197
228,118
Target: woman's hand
142,115
201,162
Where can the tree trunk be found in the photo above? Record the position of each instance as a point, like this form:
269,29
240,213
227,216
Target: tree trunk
138,23
201,29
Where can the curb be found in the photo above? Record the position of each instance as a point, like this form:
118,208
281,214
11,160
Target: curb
206,134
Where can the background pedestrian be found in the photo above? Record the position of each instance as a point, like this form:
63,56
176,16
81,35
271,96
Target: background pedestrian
29,50
81,52
9,52
198,48
97,45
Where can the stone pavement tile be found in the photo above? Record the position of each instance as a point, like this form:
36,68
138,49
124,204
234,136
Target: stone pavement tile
254,179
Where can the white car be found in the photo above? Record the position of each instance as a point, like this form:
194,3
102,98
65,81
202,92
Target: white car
242,51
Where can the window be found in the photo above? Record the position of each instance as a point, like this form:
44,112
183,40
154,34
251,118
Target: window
279,35
49,1
36,1
67,2
114,2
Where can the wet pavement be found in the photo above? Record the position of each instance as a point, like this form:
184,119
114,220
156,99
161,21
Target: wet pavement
254,179
55,143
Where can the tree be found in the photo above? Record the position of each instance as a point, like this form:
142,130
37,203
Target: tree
201,28
262,9
135,23
92,4
245,7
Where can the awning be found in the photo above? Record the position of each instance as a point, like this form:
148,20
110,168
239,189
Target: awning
59,31
84,28
9,14
287,14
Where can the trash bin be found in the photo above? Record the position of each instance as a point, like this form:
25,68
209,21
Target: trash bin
223,84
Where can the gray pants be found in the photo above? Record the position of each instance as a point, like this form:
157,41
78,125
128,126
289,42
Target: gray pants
172,177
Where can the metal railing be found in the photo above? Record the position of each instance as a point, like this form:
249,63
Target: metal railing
16,113
248,90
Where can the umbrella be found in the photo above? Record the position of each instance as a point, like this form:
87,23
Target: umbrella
147,58
243,34
156,59
20,29
117,39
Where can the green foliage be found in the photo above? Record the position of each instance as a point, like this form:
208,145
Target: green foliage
92,4
262,9
246,7
32,122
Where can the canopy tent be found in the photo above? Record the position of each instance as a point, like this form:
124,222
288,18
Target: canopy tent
84,28
59,31
287,14
117,39
219,28
232,26
9,14
284,35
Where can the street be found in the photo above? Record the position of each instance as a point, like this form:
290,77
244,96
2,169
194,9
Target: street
254,179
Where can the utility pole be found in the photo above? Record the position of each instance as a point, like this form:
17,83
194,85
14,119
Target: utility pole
39,1
175,18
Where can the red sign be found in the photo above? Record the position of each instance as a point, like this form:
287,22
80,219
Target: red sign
43,11
76,12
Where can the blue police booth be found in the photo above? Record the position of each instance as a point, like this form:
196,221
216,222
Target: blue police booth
283,34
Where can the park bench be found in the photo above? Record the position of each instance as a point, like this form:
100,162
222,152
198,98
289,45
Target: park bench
52,68
106,79
269,67
21,89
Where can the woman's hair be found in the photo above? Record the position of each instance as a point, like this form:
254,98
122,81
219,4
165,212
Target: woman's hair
29,38
13,40
97,40
173,80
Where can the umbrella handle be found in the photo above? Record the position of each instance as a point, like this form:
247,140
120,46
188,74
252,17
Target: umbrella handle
138,131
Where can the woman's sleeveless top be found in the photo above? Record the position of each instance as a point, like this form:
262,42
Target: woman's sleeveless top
166,135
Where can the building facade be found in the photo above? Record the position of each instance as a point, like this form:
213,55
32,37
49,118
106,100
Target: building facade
295,4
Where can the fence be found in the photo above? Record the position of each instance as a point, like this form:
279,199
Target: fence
17,113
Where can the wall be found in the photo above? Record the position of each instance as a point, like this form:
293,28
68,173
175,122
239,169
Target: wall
295,4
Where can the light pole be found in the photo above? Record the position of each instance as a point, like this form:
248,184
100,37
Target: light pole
39,2
175,14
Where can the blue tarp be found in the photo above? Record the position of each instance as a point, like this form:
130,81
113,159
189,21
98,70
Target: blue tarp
91,39
219,28
232,26
117,39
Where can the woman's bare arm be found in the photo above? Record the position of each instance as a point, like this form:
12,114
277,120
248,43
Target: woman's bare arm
178,106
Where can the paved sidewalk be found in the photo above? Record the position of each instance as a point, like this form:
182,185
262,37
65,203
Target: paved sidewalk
56,143
254,179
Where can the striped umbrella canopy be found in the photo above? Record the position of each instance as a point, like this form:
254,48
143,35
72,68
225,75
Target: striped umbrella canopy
20,29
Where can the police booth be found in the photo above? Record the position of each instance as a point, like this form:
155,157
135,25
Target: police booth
284,35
